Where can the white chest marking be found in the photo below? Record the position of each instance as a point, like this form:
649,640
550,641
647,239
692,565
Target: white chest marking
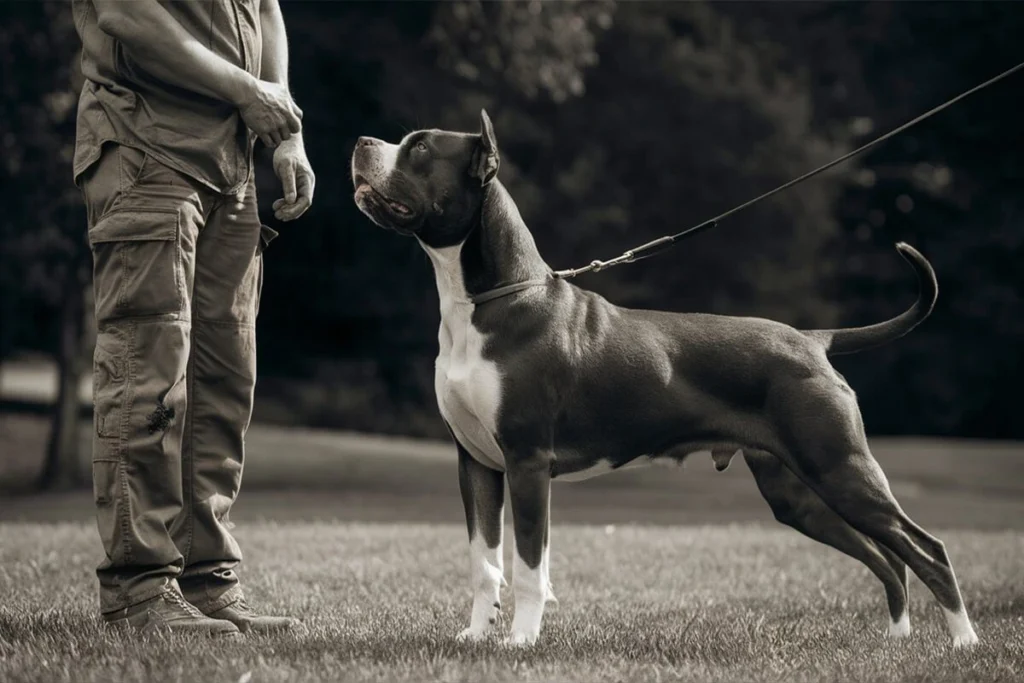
468,386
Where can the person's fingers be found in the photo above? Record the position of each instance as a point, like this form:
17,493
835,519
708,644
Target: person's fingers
300,207
290,212
293,120
285,210
306,183
287,175
267,140
275,137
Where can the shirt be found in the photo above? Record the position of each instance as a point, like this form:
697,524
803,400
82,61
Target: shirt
199,136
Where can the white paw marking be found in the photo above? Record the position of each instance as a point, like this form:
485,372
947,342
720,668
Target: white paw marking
960,628
521,640
969,640
486,578
545,569
469,635
901,627
531,590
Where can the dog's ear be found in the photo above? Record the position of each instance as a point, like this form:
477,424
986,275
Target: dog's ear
484,164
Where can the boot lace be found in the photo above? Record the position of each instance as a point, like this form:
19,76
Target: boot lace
242,606
175,598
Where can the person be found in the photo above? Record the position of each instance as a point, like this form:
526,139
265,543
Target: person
175,94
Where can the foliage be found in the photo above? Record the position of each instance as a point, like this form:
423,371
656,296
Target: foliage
948,186
618,122
529,47
42,228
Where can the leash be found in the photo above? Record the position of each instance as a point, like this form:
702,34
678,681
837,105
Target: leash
655,246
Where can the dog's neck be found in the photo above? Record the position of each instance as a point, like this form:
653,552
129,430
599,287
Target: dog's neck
499,250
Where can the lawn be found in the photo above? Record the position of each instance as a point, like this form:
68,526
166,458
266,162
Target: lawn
383,602
677,574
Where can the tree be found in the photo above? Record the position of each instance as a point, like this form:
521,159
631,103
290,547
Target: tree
618,122
44,263
949,186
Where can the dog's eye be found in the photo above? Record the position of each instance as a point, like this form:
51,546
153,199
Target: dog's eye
421,147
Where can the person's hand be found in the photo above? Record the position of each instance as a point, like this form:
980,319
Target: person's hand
269,111
296,176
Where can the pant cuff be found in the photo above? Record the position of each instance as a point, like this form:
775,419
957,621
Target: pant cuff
208,604
110,604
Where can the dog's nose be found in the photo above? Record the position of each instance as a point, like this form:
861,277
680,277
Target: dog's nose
367,142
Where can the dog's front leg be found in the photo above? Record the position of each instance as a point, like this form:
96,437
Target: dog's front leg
483,495
529,483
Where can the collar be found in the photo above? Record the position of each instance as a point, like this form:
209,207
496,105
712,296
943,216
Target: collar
499,292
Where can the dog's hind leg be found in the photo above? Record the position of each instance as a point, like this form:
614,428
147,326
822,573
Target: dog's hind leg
483,496
529,484
794,504
829,451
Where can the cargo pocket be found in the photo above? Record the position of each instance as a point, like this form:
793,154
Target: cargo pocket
106,493
108,383
136,269
105,484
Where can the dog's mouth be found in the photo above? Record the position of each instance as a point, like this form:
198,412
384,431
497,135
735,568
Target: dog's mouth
365,191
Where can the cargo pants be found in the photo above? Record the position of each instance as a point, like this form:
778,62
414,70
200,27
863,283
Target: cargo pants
177,273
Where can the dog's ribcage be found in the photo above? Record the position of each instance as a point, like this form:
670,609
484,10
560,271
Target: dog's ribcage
468,386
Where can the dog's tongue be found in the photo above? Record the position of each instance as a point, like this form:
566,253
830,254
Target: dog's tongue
400,208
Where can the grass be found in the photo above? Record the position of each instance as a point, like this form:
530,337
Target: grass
690,580
383,602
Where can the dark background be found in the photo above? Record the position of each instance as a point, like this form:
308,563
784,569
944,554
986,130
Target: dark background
618,122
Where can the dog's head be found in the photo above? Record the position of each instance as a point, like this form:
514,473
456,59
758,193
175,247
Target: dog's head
431,184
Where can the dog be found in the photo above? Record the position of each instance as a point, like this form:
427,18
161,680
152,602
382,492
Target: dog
539,380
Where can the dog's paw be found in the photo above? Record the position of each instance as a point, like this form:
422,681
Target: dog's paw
473,635
901,628
969,639
960,628
521,639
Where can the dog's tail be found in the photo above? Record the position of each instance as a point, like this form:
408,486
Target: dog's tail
856,339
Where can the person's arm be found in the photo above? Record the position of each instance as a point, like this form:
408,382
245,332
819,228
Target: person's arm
290,162
165,49
274,67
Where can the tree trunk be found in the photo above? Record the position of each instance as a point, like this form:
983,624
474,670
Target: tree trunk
63,467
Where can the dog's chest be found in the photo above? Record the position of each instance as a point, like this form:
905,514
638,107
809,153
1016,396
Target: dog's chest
467,385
